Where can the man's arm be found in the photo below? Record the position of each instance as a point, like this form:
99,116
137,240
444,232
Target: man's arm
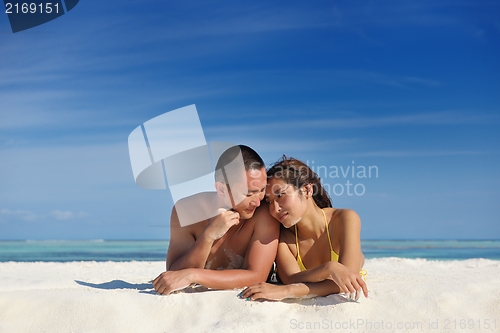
184,251
258,261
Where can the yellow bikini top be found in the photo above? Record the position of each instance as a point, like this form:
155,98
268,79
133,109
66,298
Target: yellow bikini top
333,255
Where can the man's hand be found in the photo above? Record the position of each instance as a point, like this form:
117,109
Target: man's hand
170,281
221,223
189,248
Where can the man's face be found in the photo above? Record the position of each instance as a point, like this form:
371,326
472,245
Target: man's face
247,196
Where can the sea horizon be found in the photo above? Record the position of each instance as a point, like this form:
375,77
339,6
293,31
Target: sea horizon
155,250
167,239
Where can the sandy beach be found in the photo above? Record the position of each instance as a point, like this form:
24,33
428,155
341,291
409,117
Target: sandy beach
406,295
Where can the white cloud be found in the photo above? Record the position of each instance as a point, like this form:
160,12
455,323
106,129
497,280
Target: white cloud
18,215
50,173
436,118
62,215
424,153
66,215
7,215
229,19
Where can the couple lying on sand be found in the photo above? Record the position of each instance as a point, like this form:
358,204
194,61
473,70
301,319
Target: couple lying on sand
317,249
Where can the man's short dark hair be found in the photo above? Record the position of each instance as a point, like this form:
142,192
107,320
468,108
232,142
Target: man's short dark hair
251,160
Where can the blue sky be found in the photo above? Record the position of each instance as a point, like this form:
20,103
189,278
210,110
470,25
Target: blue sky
411,87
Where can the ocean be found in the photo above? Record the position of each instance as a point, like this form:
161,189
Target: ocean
155,250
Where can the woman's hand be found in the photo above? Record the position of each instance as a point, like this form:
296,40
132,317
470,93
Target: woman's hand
348,281
266,291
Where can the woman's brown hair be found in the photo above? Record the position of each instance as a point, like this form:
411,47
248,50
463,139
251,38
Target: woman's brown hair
295,172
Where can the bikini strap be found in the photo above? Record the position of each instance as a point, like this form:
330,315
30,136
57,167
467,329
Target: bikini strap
363,274
297,242
327,231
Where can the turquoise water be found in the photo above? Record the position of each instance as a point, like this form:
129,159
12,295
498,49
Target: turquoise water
98,250
102,250
432,249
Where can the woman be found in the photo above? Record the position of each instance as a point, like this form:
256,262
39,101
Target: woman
319,252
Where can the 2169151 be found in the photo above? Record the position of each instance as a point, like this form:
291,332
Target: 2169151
32,8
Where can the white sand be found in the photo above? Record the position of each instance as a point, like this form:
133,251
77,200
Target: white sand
405,296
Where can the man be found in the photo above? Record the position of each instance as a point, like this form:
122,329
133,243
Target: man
234,248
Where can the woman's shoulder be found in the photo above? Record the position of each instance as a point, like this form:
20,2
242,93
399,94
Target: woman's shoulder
342,215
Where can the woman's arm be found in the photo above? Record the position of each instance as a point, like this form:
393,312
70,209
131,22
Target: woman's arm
295,290
346,277
347,226
298,290
329,278
347,280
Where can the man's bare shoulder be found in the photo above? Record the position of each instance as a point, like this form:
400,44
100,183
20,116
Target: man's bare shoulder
261,219
196,208
262,213
197,199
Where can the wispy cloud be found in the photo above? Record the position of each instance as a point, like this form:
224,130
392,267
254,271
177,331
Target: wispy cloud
66,215
295,146
351,77
251,82
7,215
18,215
226,18
63,171
423,119
436,153
428,82
82,53
394,14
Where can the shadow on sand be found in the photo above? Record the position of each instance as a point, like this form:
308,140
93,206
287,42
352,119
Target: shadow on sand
116,284
143,288
147,288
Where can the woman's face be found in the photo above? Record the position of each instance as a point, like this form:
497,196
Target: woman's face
286,204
